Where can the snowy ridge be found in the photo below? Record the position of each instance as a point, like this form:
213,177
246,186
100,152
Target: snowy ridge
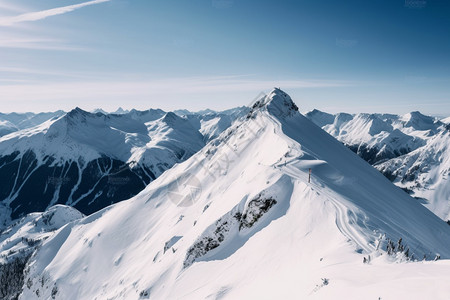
409,149
17,238
378,137
90,160
425,173
249,219
6,127
17,121
21,239
209,123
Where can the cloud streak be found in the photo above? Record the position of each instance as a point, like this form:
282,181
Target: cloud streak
40,15
38,44
220,92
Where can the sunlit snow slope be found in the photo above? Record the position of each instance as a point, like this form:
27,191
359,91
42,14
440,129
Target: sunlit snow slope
411,150
88,160
17,121
19,241
239,220
426,173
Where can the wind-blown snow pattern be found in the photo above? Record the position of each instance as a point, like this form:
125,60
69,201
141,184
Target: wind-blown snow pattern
255,228
411,150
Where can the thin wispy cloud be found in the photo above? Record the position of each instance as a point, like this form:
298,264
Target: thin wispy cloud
24,72
235,90
10,7
37,44
40,15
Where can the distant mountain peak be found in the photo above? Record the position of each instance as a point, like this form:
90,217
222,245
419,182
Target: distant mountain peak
171,118
120,111
77,112
419,121
99,111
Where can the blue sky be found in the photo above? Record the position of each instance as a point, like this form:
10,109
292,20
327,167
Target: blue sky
353,56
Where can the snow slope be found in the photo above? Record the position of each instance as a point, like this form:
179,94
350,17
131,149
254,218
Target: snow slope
425,173
411,150
90,160
239,220
446,121
378,137
210,123
17,121
29,231
19,240
6,127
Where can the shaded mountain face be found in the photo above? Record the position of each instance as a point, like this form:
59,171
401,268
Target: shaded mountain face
410,150
242,221
91,160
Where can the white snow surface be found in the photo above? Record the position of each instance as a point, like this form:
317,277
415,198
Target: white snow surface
421,145
210,123
6,127
309,243
426,172
17,121
133,138
150,137
391,134
18,238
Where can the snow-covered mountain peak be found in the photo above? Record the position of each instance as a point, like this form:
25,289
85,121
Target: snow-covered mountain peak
120,111
92,159
146,115
77,112
418,121
79,134
375,124
320,118
280,104
342,118
277,103
99,110
173,119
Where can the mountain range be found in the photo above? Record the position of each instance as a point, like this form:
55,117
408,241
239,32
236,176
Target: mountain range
257,202
274,207
412,150
91,160
118,154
